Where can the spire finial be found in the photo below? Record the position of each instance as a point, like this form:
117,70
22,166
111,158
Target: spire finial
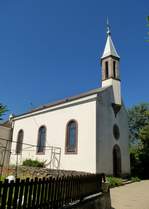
109,47
108,27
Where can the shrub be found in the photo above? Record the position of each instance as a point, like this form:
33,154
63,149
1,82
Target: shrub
113,181
134,179
33,163
2,178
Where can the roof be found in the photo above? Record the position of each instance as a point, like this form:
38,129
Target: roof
109,48
7,124
65,100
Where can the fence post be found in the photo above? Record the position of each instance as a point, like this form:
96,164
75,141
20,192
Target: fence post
16,193
4,194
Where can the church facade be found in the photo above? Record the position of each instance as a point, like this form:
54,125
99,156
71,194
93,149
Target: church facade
87,132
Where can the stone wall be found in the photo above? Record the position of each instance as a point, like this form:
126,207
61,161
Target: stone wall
32,172
5,145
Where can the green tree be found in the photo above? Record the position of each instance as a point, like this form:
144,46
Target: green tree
144,136
138,118
3,109
139,139
142,159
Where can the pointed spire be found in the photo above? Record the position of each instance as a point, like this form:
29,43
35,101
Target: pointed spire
109,47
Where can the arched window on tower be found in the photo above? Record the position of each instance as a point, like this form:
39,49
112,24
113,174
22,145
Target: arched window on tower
106,70
114,69
71,137
19,142
41,140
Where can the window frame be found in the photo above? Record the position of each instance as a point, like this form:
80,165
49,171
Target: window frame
41,152
67,138
19,143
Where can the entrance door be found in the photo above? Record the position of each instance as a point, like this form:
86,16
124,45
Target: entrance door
116,161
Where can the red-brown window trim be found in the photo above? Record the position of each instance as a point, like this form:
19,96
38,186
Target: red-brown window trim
43,152
67,137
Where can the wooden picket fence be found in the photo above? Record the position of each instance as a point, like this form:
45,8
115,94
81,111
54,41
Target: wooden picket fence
51,193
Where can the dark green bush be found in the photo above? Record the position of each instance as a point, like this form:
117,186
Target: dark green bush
33,163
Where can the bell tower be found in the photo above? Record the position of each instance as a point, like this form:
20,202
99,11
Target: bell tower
110,67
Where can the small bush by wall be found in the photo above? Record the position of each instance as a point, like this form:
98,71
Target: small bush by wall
33,163
135,179
113,181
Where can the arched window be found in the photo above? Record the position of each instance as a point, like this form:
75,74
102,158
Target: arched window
41,139
19,142
114,69
106,70
71,137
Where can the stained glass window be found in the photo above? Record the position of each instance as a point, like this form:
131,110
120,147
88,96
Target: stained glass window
41,139
71,137
19,142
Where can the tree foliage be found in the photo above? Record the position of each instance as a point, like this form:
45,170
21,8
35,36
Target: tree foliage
3,109
138,118
144,136
139,138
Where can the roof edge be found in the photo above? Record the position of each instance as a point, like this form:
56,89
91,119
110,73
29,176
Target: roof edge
62,101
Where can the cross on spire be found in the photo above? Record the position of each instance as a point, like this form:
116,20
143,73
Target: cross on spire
108,27
109,47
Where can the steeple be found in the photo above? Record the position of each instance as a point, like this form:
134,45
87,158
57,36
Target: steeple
109,47
110,67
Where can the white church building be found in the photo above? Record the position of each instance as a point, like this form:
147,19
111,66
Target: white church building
86,132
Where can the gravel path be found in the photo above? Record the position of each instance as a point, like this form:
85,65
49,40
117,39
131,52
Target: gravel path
131,196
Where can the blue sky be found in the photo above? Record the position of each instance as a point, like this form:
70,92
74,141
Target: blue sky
51,49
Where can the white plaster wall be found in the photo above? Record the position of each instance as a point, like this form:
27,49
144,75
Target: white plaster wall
105,139
84,112
123,142
5,145
116,89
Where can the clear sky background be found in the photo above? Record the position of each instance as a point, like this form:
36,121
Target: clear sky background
50,50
